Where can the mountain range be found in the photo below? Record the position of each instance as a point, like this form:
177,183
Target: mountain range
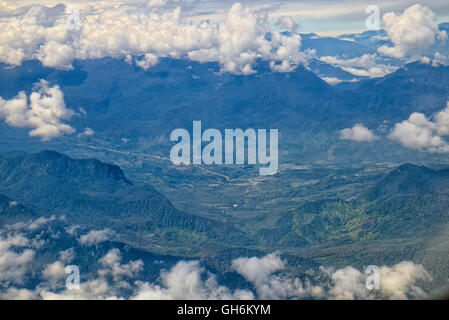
334,202
403,208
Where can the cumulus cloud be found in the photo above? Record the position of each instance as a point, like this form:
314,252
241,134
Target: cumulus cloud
398,282
43,111
358,133
112,277
255,269
184,281
67,256
98,289
20,269
113,267
56,55
18,294
54,271
144,36
288,23
86,133
439,60
348,284
422,133
365,66
147,61
95,237
14,265
411,32
188,280
261,273
241,39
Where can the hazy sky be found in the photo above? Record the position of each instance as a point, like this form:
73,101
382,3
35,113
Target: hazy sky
326,16
320,16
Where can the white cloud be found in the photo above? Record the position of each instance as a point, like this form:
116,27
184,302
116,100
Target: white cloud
67,256
36,224
396,282
157,3
87,133
54,271
241,39
439,60
56,55
147,61
126,32
189,280
14,265
261,273
399,281
100,288
348,284
419,132
256,270
365,66
43,111
332,80
95,237
288,23
73,230
357,133
184,281
18,294
30,225
411,33
113,267
116,279
349,39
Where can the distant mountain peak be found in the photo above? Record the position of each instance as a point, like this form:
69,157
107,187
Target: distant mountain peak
406,179
411,168
57,165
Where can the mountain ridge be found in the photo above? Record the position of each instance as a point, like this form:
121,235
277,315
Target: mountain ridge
53,183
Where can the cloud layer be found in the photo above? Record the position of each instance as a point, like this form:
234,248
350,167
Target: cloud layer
366,65
23,275
144,35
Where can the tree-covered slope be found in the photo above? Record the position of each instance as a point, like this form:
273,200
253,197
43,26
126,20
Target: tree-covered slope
98,194
409,202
